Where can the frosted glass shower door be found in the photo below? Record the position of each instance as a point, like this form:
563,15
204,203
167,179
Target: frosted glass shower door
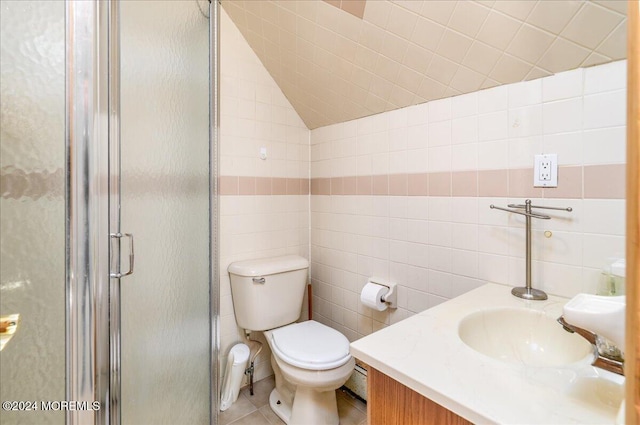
32,207
164,124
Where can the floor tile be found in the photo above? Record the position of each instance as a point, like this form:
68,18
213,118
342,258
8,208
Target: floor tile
240,408
255,418
261,391
271,416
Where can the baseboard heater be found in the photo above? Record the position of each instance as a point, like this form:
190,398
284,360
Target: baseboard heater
357,383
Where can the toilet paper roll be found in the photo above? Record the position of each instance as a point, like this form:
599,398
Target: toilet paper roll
371,296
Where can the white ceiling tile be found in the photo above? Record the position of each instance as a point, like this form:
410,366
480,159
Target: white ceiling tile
427,33
345,48
417,58
409,79
563,55
591,25
498,30
442,69
306,9
615,45
595,59
402,22
509,69
481,57
348,26
374,104
519,9
334,66
365,57
553,15
466,80
324,38
326,15
371,36
468,17
286,20
489,83
394,47
361,77
431,89
381,87
411,5
401,97
454,46
536,73
439,11
377,13
619,6
387,68
304,29
530,43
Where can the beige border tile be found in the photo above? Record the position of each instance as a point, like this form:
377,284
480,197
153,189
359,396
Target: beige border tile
293,186
350,185
278,186
418,184
398,184
364,185
569,184
493,183
336,186
305,186
464,183
380,184
246,185
521,184
263,186
605,181
440,184
228,185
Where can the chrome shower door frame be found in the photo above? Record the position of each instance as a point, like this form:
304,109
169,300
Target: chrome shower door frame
87,204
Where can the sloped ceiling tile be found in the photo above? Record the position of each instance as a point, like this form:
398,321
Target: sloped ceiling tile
339,60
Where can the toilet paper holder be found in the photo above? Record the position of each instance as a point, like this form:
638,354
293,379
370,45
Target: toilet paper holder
391,297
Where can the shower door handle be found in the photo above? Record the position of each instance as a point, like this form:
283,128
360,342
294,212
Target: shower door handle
117,274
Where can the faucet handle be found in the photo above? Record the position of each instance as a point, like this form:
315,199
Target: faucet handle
589,336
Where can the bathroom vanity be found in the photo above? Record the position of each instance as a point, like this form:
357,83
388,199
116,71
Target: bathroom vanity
390,402
486,357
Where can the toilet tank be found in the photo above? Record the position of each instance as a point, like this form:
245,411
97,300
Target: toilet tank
267,293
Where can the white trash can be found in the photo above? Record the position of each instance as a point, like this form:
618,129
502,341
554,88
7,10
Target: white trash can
236,366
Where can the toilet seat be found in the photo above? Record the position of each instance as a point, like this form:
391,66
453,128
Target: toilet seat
310,345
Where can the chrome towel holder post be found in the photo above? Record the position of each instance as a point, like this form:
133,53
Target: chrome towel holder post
527,292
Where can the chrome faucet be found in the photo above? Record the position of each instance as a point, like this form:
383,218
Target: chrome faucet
527,292
606,357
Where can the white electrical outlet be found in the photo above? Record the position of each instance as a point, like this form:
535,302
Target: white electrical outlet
545,170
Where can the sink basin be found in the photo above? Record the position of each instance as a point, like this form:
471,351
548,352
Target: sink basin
522,336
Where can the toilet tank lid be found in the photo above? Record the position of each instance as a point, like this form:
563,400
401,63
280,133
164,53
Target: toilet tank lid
267,266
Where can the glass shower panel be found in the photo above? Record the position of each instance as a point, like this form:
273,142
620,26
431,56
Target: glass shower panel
32,206
165,204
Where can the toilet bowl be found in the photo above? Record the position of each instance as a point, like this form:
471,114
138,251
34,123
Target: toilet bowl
310,361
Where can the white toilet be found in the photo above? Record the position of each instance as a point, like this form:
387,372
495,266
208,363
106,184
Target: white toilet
310,360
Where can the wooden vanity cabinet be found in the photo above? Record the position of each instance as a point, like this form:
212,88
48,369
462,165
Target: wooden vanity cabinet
391,403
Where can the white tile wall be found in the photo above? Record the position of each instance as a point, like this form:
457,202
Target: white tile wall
254,113
439,247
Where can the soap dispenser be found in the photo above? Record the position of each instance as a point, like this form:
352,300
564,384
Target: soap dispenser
612,282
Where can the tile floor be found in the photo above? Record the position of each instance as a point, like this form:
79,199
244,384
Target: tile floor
255,410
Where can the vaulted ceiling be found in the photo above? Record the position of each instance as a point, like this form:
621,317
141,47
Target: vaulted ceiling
337,60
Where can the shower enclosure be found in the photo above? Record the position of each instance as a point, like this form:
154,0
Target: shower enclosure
109,136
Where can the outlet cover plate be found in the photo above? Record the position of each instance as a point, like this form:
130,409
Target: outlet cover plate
545,170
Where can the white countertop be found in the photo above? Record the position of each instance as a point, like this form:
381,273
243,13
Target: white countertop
425,353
